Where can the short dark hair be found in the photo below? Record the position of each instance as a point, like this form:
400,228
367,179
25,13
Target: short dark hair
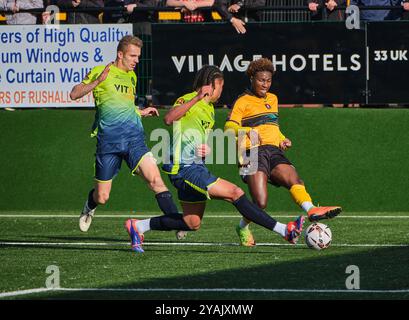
128,40
260,65
206,75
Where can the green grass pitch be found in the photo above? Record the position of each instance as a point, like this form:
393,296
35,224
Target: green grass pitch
356,158
208,259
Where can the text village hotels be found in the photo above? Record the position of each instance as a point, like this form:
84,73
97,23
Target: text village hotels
297,62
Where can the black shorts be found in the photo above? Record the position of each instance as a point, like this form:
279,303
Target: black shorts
268,157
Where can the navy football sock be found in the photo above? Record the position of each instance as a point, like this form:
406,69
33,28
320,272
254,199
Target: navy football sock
91,203
253,213
165,202
169,222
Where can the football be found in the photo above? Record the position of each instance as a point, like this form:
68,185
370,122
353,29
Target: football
318,236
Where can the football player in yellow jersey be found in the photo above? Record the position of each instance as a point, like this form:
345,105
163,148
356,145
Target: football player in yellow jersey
193,116
256,112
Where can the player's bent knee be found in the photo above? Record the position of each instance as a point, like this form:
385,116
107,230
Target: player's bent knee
102,198
261,203
193,223
236,193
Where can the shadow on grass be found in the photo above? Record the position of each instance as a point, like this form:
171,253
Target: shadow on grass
380,269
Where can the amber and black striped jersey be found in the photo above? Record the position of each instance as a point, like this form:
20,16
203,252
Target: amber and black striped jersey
260,114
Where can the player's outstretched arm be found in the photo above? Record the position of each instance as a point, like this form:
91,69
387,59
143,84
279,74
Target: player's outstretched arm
149,112
82,89
178,112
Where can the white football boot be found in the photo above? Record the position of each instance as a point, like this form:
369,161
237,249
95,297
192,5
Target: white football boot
86,218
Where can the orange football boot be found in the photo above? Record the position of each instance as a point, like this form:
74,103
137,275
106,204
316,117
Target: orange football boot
320,213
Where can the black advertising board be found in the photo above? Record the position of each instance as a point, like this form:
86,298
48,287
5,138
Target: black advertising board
315,62
388,47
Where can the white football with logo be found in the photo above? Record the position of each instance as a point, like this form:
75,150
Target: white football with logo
318,236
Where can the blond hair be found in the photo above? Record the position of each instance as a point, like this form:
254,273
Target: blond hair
128,40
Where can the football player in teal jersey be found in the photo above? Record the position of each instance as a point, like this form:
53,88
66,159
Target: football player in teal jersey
119,130
193,116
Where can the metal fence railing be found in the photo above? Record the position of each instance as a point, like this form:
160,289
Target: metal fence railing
288,15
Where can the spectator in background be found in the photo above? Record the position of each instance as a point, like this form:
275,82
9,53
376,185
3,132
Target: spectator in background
81,17
46,16
127,13
189,9
141,16
130,5
16,5
116,16
330,12
405,15
256,15
377,15
395,14
222,7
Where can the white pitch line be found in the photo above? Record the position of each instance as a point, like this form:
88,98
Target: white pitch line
182,244
206,216
235,290
254,290
23,292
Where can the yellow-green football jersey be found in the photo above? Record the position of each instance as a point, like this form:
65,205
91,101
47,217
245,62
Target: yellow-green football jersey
117,118
190,131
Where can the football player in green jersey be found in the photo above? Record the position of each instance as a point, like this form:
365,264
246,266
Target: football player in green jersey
119,130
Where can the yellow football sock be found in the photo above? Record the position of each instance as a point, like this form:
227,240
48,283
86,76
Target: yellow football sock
299,194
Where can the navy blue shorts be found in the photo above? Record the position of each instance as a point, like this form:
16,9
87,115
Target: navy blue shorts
193,182
109,156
